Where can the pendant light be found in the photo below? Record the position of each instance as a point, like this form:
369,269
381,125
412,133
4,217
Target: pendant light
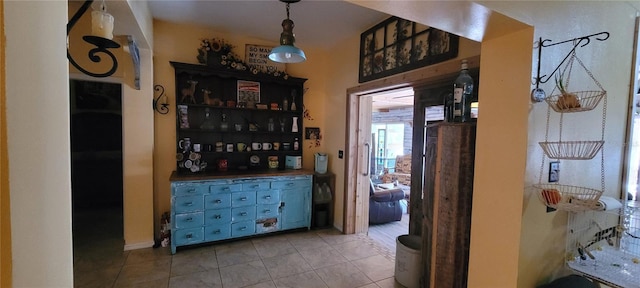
286,52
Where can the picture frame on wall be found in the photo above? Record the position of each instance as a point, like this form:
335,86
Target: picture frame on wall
248,92
397,45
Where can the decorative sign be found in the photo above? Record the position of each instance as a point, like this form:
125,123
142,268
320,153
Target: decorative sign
257,57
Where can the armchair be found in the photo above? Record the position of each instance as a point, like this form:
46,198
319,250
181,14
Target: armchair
384,204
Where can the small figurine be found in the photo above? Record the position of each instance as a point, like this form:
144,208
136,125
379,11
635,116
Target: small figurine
188,92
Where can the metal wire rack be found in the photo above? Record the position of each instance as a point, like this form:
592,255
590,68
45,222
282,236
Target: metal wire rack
585,101
568,198
572,150
605,245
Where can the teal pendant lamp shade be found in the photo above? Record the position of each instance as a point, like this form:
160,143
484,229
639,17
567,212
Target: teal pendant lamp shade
286,52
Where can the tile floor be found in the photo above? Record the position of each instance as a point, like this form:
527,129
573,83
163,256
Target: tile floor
316,258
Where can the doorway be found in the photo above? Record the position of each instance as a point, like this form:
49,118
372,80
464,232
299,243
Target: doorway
358,146
96,167
391,139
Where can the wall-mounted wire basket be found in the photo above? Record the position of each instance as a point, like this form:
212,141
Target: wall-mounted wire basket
576,102
572,150
568,198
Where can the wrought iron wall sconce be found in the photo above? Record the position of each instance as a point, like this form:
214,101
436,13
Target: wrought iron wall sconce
537,94
101,43
163,107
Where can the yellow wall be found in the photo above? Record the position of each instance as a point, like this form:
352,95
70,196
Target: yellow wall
174,42
5,213
326,106
137,122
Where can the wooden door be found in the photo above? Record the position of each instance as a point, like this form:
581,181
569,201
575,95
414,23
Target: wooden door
448,193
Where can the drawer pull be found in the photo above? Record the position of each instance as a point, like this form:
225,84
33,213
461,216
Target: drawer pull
189,236
189,219
243,228
243,198
218,201
226,189
266,211
218,216
216,232
191,191
291,184
243,213
267,197
188,203
255,186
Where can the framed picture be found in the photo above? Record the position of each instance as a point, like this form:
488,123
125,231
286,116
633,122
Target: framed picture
248,91
311,133
397,45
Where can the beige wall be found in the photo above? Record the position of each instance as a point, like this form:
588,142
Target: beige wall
5,207
543,234
37,107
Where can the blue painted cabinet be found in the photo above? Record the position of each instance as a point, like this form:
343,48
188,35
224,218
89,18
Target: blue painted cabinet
206,210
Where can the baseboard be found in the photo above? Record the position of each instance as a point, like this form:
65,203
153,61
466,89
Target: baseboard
138,245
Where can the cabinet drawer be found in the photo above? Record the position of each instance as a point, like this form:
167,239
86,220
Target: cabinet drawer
291,184
189,220
190,190
189,236
266,211
216,201
219,216
243,213
256,186
188,204
243,228
217,232
268,197
243,199
225,188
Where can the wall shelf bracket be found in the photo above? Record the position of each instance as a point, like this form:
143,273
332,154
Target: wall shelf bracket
537,94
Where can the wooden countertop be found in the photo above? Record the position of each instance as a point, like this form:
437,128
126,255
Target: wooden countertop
237,174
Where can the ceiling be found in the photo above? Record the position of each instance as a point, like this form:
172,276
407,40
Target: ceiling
318,23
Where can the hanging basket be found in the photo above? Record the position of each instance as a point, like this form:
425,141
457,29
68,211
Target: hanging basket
575,101
568,198
572,150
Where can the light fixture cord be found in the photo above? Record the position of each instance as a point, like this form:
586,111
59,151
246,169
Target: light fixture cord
287,10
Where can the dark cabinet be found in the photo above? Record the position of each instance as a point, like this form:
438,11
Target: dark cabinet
322,204
448,194
230,121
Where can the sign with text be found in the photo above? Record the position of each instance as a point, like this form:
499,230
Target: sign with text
257,57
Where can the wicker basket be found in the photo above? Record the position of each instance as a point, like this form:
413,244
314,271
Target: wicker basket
568,198
572,150
587,100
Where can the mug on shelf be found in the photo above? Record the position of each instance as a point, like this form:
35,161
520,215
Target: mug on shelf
256,146
267,146
230,147
241,146
276,146
238,127
185,144
286,146
219,146
196,147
